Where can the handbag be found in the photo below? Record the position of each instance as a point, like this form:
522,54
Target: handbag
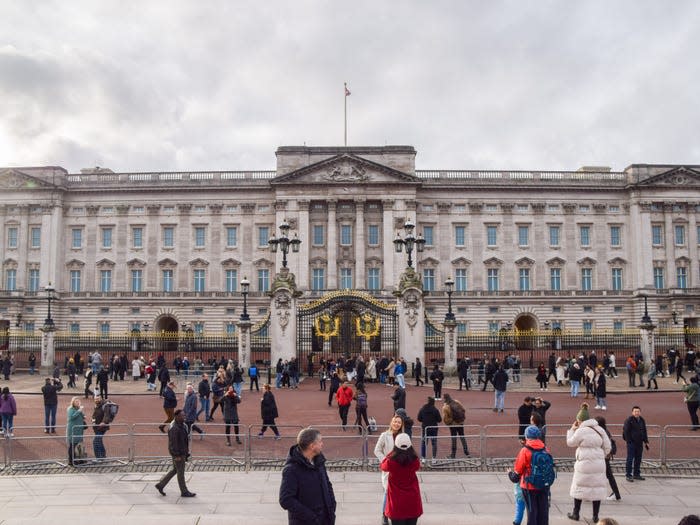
372,424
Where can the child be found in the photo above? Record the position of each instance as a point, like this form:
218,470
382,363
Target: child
519,503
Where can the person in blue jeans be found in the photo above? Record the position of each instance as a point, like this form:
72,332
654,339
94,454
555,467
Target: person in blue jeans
49,391
100,427
204,391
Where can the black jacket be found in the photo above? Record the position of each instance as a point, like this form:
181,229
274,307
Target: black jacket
542,411
524,413
429,415
306,493
635,430
268,408
399,397
204,388
169,398
500,380
49,390
230,408
178,440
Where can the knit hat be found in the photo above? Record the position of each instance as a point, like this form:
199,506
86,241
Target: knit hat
402,441
583,413
532,432
401,412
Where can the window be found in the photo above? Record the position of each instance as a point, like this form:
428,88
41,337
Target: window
586,279
493,309
168,236
373,235
460,236
554,235
555,279
11,280
199,280
659,282
494,326
137,237
657,238
263,236
198,328
491,235
76,238
35,237
585,235
587,309
137,209
136,280
263,280
615,237
231,236
583,208
12,237
587,327
617,309
492,280
75,328
345,235
345,278
107,238
230,329
524,279
374,279
75,277
428,279
491,207
104,329
461,280
200,236
523,235
617,279
105,280
200,209
318,280
461,329
33,282
618,326
319,235
429,235
167,276
231,280
681,277
679,234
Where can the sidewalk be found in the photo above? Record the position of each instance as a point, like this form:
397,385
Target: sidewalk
251,499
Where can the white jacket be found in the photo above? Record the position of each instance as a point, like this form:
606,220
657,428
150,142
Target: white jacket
592,445
385,444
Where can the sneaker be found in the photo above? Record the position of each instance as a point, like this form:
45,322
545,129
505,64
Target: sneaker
630,479
277,438
597,407
201,436
640,478
604,408
612,497
260,435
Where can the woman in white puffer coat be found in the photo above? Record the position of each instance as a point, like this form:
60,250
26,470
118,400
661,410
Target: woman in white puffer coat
592,445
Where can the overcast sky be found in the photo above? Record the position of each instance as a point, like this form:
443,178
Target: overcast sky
219,85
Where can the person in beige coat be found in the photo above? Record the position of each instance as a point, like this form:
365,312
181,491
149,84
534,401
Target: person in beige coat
592,446
385,444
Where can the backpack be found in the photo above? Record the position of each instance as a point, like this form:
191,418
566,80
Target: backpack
372,424
542,470
457,412
362,400
110,410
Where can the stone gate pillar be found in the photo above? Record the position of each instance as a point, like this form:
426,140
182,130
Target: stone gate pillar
411,312
244,344
283,317
450,344
48,349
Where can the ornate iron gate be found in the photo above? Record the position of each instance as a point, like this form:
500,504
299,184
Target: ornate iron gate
345,323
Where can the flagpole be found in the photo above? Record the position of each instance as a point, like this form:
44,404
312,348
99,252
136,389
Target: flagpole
345,98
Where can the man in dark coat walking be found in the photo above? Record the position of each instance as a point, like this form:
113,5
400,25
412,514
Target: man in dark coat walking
524,413
306,493
178,446
634,432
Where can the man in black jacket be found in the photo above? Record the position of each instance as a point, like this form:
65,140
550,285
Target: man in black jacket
429,417
306,493
524,413
178,446
462,372
634,432
500,383
169,404
49,391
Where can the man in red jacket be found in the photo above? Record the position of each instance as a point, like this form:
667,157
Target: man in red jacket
344,397
536,500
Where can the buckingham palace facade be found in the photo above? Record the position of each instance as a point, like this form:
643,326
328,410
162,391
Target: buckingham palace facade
574,250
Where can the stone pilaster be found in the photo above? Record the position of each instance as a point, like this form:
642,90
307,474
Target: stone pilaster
244,344
411,311
450,344
332,246
283,316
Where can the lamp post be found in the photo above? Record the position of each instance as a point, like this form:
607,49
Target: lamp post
284,242
245,286
50,296
647,338
449,287
409,241
646,319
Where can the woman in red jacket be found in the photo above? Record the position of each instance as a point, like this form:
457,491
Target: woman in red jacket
403,499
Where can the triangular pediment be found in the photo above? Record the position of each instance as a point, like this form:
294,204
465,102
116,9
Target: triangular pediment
346,169
679,176
230,262
199,262
586,261
15,179
75,263
105,262
493,261
136,262
167,262
461,261
617,261
556,261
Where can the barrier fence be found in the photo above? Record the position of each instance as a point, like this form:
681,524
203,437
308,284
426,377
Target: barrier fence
490,447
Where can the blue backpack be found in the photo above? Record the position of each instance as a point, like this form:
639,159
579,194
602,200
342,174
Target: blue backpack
542,469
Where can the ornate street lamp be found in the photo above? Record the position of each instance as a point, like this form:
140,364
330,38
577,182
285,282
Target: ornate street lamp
449,287
284,242
50,296
409,241
18,319
245,286
674,317
646,319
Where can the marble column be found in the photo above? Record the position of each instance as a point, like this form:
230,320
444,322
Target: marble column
388,234
305,248
360,244
332,246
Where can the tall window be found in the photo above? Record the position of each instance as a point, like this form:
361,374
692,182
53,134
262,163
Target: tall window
524,279
12,237
136,280
137,237
318,280
36,237
319,235
231,280
657,235
617,279
554,235
106,238
681,277
373,235
659,281
345,235
75,277
586,279
555,279
199,328
585,234
167,276
75,328
230,329
105,280
199,280
374,279
200,237
345,278
10,280
523,235
461,284
428,279
263,236
168,237
429,235
618,326
492,280
460,236
33,282
76,238
231,236
679,230
104,329
491,235
587,327
263,280
615,236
